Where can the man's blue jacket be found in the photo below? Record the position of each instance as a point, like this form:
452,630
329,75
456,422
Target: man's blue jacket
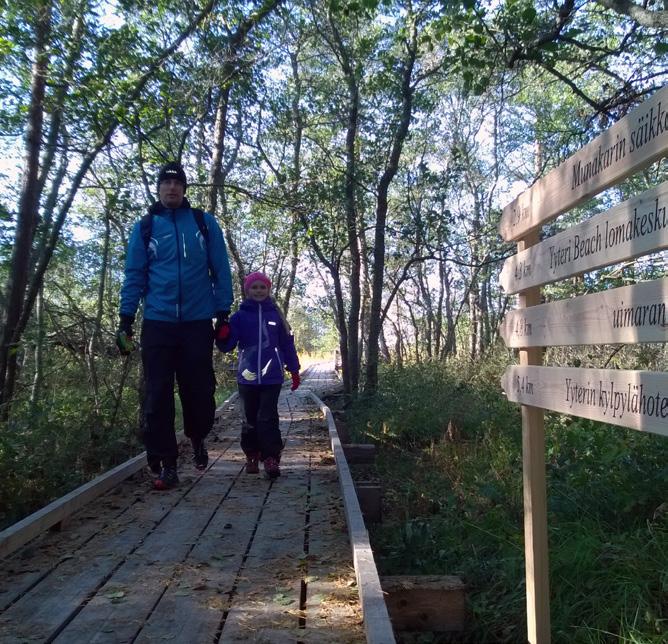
172,274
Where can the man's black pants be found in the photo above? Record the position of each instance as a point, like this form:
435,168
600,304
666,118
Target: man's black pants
184,350
260,433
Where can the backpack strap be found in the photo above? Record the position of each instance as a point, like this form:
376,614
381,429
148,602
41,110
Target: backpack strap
146,228
201,224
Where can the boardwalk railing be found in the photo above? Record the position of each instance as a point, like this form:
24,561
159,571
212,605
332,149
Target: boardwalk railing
377,623
627,315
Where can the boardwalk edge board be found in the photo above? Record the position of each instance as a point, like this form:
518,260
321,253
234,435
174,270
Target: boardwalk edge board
631,144
634,399
377,623
624,315
18,534
633,228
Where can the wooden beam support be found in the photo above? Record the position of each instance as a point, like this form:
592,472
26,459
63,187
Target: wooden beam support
370,498
535,494
377,623
435,603
360,454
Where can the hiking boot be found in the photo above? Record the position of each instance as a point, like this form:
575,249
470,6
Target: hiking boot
168,478
200,455
271,468
252,463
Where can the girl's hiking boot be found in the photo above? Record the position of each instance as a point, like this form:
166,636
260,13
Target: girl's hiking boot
168,478
252,464
200,455
271,468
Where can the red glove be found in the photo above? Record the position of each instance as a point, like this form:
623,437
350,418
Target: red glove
223,331
296,380
222,327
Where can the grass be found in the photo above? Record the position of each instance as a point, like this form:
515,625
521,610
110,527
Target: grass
450,465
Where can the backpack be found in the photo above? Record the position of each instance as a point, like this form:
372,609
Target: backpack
146,228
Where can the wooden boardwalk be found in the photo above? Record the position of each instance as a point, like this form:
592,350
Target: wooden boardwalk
224,557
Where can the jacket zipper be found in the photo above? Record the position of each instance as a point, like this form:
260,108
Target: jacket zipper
259,343
178,266
280,362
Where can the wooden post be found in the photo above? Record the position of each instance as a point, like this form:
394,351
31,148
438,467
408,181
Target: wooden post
360,453
631,229
535,504
370,498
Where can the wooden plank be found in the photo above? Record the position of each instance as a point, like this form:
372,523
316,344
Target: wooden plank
629,145
360,453
376,617
120,607
332,610
20,533
630,229
535,493
268,592
42,612
628,315
192,606
28,566
371,502
634,399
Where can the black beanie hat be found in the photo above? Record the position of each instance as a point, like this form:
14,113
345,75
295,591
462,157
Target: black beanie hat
172,170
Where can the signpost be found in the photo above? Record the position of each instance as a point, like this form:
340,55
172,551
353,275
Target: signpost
627,315
631,229
631,314
628,146
635,399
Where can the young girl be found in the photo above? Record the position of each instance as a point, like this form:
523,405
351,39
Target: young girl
266,347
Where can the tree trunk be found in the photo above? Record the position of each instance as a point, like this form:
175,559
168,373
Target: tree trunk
28,209
450,347
375,321
218,173
350,73
93,348
38,379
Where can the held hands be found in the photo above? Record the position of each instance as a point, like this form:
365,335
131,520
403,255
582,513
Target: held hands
126,345
222,326
296,380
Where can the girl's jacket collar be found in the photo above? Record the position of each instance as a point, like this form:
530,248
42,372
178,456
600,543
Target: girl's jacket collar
252,305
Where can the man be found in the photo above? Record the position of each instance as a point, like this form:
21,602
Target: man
177,263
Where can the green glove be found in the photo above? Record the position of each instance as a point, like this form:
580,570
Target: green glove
126,345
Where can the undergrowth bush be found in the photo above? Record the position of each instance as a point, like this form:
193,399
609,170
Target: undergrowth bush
453,505
45,453
66,440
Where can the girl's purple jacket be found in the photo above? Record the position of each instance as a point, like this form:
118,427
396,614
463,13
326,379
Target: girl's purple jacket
266,348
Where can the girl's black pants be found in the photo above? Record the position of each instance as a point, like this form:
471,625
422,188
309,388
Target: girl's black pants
260,433
181,350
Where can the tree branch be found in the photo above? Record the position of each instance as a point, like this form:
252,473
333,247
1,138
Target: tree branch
644,17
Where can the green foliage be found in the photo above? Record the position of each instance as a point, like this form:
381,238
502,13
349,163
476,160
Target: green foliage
416,404
49,450
454,506
314,331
